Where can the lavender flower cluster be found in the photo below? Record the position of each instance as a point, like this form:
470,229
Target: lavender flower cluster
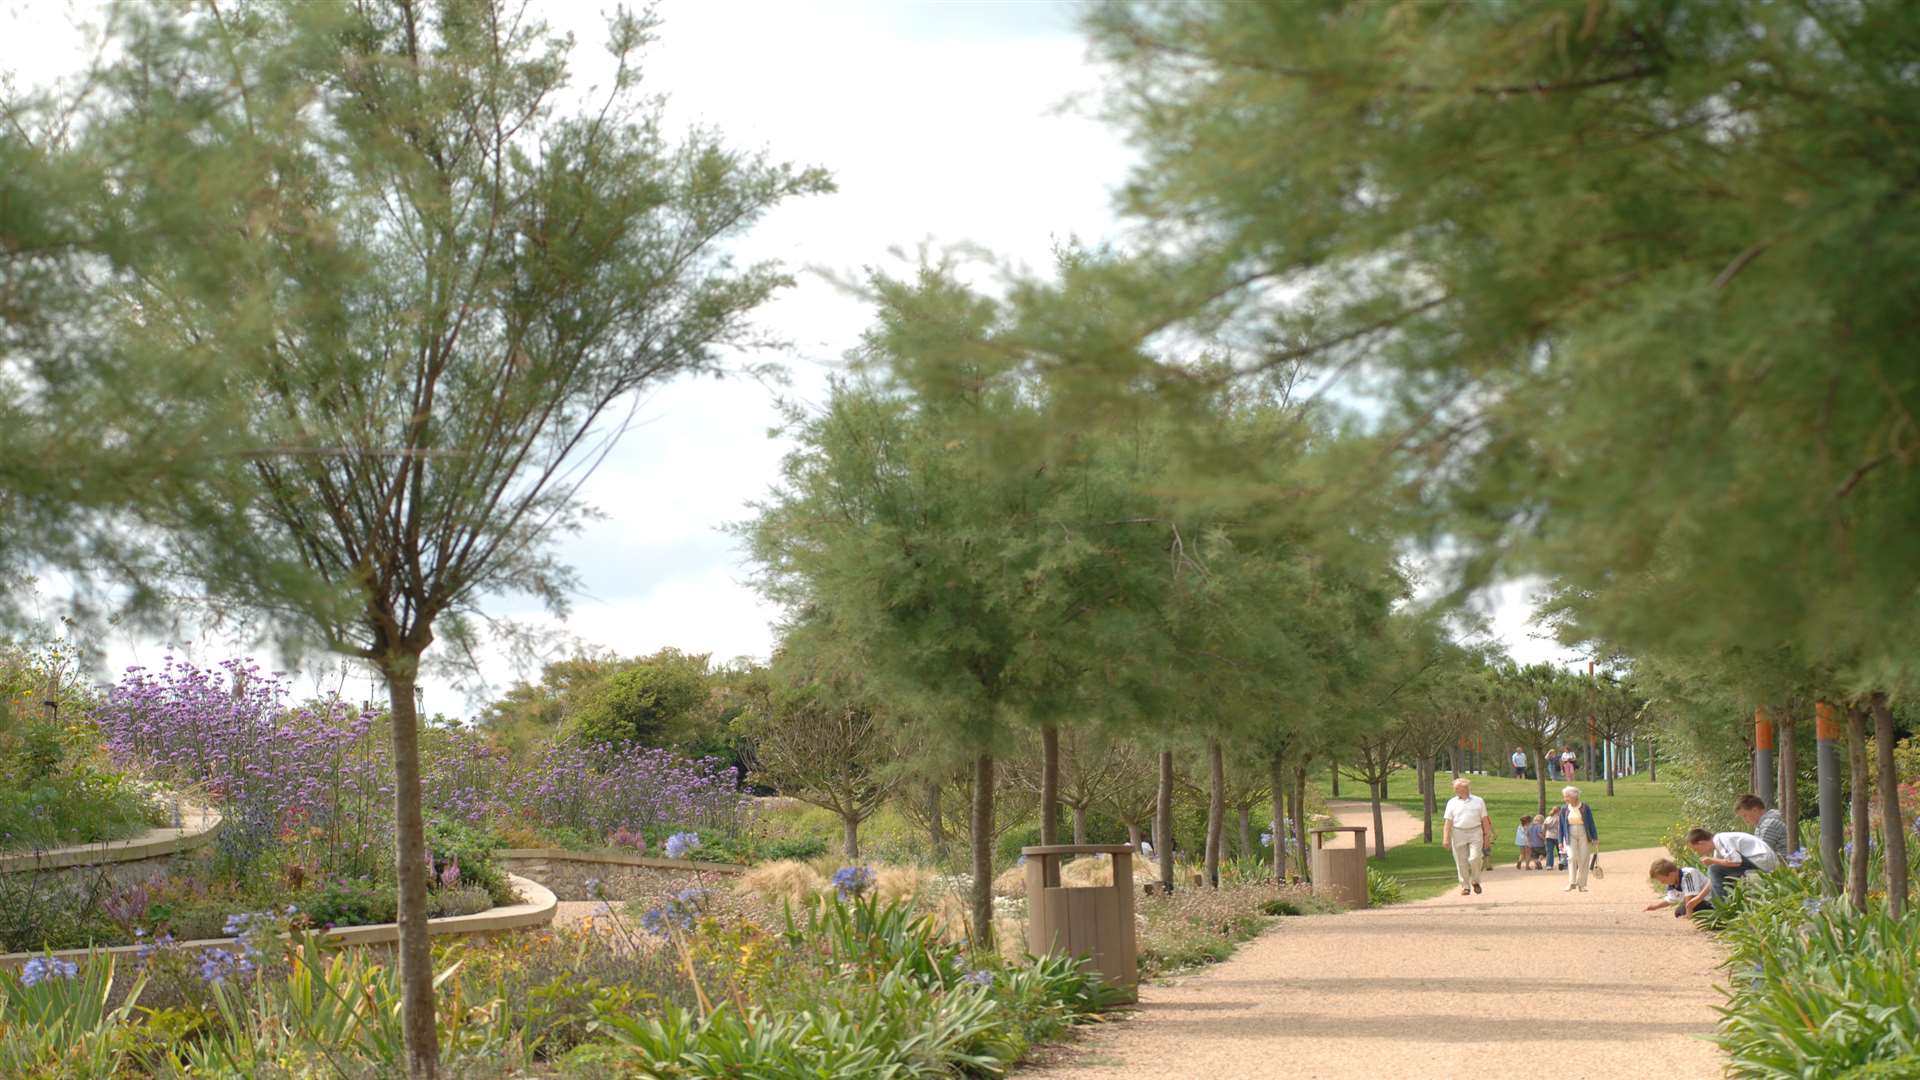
601,790
41,968
317,775
280,770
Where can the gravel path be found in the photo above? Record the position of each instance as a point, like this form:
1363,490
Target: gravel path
1440,989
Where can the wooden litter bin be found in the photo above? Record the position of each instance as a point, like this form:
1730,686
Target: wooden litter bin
1091,921
1340,873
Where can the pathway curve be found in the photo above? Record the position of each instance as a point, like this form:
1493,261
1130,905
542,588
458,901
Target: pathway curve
1523,981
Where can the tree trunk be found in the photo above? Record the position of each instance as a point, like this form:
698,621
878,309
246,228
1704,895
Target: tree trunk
1891,827
850,834
1540,775
936,828
1163,822
1379,828
1300,819
1246,830
1653,761
1862,829
1216,809
1335,770
1134,837
1789,778
1609,765
1426,799
411,867
1079,824
1049,784
1453,760
1277,777
983,852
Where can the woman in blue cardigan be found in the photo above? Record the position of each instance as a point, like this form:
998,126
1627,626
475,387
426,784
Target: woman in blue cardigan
1578,837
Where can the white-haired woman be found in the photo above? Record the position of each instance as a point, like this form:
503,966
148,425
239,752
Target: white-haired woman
1578,837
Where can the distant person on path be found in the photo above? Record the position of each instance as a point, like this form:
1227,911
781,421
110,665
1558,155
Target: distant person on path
1568,764
1468,831
1519,764
1766,824
1522,850
1537,843
1578,837
1688,890
1730,855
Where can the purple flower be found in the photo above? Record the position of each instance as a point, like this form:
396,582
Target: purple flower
680,843
981,977
41,968
852,881
450,876
1797,857
1812,905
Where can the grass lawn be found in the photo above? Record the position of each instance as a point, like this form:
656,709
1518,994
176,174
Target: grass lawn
1637,815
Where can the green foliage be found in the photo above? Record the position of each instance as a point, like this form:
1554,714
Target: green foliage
349,902
474,851
1383,889
65,1025
649,702
1819,989
1524,303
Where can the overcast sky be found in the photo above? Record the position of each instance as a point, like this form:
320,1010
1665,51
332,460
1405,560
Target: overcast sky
943,122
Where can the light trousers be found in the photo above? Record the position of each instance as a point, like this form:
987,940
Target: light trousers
1579,853
1469,847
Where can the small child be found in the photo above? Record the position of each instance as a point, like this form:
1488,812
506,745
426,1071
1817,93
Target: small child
1521,845
1688,890
1551,834
1537,840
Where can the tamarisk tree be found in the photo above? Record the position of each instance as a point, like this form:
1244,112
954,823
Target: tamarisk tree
452,289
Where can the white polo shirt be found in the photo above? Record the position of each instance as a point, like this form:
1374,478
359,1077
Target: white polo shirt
1465,814
1732,845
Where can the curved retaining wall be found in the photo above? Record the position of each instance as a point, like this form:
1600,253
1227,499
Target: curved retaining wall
535,910
133,859
622,875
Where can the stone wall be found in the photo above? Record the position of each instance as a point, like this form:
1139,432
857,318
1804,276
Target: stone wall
124,862
620,876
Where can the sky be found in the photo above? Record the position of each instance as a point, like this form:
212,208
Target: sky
944,122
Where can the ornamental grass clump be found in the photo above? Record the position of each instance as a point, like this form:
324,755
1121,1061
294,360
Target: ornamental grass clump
1816,986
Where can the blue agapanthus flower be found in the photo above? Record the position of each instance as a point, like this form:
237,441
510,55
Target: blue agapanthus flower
852,881
41,968
982,977
1813,904
1797,857
680,843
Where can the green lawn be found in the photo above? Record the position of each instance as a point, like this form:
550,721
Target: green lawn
1637,815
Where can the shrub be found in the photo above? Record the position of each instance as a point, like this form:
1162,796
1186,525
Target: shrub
465,855
349,902
1383,889
1818,987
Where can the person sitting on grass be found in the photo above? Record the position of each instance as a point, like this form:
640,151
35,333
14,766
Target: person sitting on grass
1688,890
1766,824
1730,855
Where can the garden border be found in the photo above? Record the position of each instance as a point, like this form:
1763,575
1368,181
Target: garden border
153,844
536,910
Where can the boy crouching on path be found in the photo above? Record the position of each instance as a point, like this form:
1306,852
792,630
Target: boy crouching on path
1688,890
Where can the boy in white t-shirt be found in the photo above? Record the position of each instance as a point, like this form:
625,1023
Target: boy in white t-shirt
1688,890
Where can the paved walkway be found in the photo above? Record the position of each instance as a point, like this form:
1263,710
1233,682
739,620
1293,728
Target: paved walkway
1522,981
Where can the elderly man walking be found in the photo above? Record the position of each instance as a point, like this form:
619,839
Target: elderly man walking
1469,832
